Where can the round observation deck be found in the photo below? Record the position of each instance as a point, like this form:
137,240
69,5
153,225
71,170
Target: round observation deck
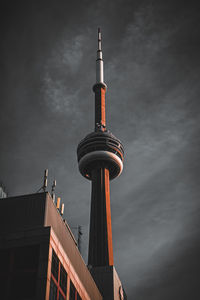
100,149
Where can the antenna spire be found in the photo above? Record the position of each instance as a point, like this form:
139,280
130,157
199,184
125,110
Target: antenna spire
99,62
99,39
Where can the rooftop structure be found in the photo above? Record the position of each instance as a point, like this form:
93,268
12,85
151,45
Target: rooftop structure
39,257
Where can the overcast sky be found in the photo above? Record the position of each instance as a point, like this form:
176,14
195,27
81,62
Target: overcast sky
152,69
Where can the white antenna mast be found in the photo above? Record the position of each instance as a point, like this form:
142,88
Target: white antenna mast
45,180
53,190
44,187
99,61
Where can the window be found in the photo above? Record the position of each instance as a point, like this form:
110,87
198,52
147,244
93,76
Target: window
54,265
61,297
58,284
72,291
78,296
63,279
58,287
53,291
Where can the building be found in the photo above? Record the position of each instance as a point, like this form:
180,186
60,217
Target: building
39,257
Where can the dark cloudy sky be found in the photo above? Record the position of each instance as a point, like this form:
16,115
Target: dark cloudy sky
152,69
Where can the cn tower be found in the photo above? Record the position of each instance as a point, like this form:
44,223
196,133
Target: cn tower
100,159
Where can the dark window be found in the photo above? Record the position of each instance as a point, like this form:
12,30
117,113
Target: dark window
72,291
63,279
78,296
54,265
53,291
61,297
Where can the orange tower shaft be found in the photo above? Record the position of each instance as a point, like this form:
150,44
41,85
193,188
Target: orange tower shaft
100,114
100,242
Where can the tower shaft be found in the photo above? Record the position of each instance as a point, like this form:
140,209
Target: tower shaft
100,111
100,240
100,157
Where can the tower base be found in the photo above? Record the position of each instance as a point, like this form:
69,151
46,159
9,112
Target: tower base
108,282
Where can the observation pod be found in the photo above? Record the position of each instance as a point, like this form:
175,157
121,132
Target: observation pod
100,149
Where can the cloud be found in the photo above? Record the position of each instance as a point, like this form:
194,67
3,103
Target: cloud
61,75
72,53
57,96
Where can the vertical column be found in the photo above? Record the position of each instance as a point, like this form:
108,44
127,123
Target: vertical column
100,240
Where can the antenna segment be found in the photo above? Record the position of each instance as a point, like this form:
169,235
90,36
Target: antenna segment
53,190
3,193
100,90
45,180
44,187
99,62
62,209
